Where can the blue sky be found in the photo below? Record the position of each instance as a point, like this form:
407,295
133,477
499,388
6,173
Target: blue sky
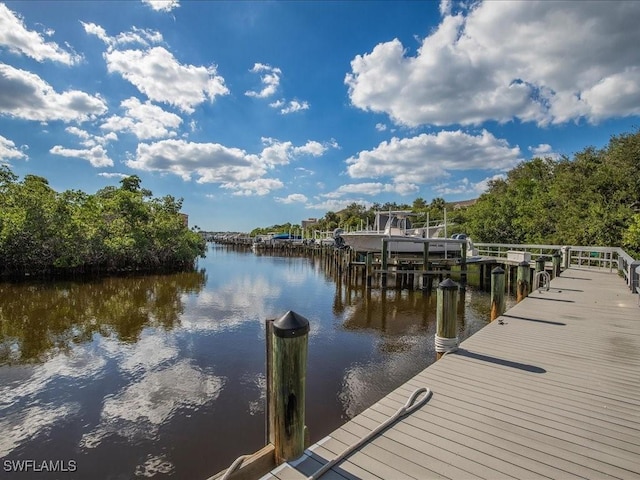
259,113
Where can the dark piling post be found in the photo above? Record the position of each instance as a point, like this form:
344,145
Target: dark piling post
556,259
426,284
383,275
286,379
463,266
411,279
369,268
523,282
497,293
446,309
567,257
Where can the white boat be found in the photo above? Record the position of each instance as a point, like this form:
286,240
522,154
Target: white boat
262,241
323,238
402,237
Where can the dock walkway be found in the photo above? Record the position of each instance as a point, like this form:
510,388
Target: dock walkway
553,392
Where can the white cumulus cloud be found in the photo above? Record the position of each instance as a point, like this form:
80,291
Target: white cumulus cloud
427,157
292,198
372,188
25,95
290,107
544,150
144,120
162,78
18,39
112,175
9,151
337,204
536,61
233,168
162,5
270,78
96,156
89,140
260,187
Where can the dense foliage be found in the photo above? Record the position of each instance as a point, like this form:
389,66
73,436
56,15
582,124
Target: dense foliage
591,199
116,229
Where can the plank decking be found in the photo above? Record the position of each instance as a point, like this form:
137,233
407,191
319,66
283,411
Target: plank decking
554,392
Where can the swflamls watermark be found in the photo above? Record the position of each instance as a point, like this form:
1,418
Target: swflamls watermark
57,466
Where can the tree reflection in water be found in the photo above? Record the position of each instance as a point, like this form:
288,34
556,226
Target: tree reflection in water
40,320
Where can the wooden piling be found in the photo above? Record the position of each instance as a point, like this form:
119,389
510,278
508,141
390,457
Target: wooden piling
497,293
523,281
567,257
446,310
463,266
540,263
286,386
383,275
369,268
556,259
426,283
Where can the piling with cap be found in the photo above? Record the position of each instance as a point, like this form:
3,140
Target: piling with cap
286,381
523,282
497,293
540,263
446,338
556,258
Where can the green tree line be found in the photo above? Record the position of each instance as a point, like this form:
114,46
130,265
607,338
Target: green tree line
45,232
591,199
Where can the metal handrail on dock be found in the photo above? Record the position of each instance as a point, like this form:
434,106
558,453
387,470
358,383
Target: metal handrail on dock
539,285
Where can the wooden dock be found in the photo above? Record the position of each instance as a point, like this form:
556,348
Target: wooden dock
553,392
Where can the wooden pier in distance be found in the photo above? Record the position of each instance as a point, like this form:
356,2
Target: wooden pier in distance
551,390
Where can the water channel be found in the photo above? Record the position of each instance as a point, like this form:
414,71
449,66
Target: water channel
163,375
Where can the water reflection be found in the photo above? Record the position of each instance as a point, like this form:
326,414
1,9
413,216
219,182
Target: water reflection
138,411
39,320
166,373
403,323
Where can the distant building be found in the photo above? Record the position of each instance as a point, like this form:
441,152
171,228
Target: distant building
308,222
185,219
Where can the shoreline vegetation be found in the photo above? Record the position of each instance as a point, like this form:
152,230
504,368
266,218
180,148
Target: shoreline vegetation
590,199
117,230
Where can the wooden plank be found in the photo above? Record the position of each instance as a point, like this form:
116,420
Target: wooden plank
330,448
258,464
492,433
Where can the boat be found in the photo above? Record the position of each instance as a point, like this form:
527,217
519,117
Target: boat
403,237
324,239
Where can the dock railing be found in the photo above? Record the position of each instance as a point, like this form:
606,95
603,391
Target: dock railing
604,258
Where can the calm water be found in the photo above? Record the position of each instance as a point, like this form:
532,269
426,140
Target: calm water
164,376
